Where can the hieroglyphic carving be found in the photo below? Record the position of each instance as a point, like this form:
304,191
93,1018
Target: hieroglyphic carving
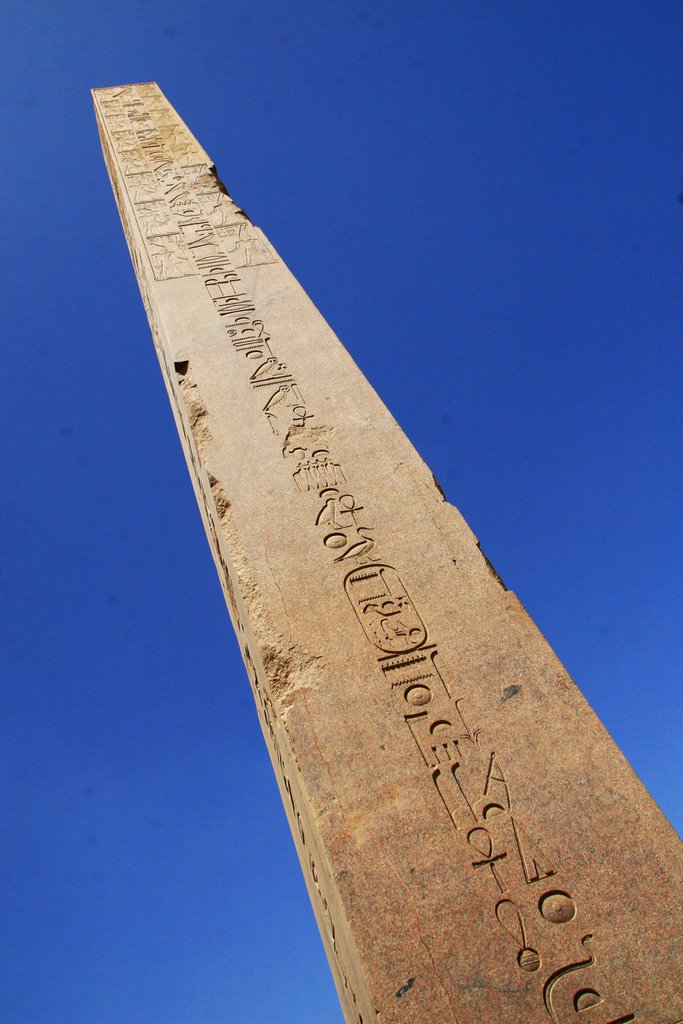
243,245
510,920
145,188
318,472
384,609
285,408
219,208
168,257
465,770
155,219
161,163
561,1005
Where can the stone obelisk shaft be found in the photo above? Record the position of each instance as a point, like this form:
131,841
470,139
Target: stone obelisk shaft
476,848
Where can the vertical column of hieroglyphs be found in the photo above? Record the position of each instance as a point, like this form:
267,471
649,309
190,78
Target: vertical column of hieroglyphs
180,223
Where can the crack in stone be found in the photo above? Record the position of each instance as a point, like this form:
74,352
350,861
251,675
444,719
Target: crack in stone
435,968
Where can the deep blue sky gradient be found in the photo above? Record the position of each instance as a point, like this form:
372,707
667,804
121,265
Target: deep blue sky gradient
482,199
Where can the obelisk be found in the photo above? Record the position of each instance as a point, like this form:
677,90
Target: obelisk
476,848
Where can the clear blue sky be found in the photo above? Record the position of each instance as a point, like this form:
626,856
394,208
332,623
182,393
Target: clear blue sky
482,199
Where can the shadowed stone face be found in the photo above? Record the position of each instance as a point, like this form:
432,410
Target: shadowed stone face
476,849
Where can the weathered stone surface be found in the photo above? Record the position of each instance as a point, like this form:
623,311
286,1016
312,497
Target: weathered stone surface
476,848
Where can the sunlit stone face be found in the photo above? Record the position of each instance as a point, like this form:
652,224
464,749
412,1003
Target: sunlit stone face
475,847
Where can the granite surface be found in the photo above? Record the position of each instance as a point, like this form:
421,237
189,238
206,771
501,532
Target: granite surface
476,848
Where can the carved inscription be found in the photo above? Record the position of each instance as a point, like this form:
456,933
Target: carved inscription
243,245
467,773
384,609
167,179
189,226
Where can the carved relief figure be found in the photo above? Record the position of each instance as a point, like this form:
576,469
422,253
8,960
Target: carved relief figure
244,246
133,163
168,260
144,188
220,210
156,220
